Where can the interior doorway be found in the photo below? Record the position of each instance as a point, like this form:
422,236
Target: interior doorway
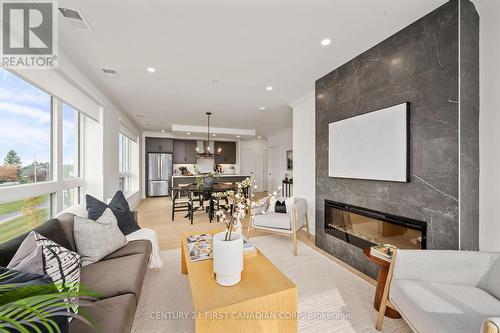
273,174
248,163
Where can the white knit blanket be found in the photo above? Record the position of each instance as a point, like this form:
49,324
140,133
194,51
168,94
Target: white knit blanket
155,261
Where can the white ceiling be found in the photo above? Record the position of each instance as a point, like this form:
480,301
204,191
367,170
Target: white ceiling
244,45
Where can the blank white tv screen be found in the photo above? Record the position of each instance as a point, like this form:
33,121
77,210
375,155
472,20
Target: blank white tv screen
371,146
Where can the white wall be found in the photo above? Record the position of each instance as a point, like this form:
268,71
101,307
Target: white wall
304,178
489,127
283,141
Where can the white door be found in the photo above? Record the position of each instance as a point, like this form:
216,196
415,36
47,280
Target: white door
265,166
274,167
248,163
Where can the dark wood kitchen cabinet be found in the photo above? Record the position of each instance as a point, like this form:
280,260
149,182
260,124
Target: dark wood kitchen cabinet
159,145
227,153
185,152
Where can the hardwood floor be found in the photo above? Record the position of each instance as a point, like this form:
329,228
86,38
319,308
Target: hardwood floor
156,213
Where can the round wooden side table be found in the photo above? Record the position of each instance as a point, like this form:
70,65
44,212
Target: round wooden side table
383,270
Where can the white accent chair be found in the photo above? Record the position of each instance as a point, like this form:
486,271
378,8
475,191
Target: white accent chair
280,223
444,291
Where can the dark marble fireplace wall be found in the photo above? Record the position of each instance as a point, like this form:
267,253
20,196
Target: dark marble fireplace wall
419,64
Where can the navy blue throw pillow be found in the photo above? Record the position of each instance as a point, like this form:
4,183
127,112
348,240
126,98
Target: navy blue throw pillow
28,285
95,207
120,208
280,207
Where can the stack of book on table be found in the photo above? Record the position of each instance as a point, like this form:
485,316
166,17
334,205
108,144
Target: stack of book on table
200,247
248,248
383,252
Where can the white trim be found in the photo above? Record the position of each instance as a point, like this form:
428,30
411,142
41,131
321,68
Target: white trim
20,192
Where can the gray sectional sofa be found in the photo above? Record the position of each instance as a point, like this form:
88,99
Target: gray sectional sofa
117,278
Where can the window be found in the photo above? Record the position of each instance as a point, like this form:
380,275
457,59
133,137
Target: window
20,216
71,151
25,132
40,155
71,196
125,162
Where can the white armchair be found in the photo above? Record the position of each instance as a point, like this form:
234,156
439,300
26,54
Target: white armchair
280,223
444,291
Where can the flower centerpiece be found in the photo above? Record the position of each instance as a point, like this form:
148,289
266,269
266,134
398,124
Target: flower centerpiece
228,245
206,180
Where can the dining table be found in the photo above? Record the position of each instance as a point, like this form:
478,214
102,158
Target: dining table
200,194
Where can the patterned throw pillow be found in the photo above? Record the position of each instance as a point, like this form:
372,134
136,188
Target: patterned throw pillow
61,264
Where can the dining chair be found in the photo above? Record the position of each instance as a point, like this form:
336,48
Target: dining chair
180,203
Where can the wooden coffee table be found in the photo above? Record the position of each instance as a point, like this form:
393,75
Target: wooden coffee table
265,300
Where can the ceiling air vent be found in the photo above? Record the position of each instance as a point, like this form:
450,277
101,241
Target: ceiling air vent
75,19
109,72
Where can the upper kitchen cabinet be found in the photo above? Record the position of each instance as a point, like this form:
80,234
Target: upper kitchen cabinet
159,145
185,152
227,152
191,153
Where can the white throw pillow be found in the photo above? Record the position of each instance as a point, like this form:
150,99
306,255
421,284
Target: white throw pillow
260,206
96,239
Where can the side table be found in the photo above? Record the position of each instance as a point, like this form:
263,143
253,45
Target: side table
381,280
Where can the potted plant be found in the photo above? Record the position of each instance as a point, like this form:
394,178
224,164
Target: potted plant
34,307
228,245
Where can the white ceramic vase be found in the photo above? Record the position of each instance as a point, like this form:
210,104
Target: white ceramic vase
228,258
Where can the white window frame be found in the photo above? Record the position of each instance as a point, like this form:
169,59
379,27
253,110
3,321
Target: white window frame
125,171
55,186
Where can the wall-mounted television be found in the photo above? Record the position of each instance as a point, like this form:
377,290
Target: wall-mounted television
373,146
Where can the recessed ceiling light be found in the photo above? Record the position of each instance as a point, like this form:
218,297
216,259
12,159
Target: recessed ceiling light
262,108
325,42
151,69
163,131
238,136
259,137
188,133
269,88
214,134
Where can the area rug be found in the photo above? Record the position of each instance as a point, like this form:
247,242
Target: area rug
330,297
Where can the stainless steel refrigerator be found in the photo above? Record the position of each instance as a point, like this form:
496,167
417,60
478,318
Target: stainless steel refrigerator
159,174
